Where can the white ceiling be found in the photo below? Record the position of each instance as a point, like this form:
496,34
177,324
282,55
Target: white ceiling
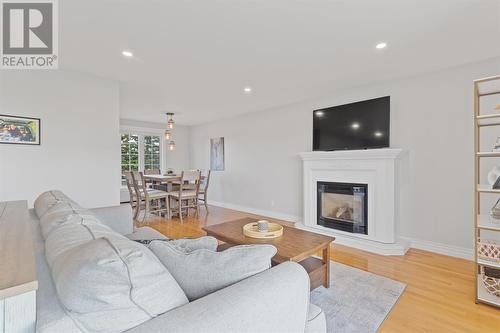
195,57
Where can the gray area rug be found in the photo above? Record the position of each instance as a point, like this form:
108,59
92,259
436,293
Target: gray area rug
357,301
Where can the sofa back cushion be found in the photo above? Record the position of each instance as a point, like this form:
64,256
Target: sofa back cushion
70,235
50,314
114,284
105,282
66,213
48,199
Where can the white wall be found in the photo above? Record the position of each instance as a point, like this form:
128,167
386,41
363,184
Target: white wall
80,148
431,116
177,159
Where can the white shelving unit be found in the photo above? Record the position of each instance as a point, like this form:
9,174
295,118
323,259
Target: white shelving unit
483,223
483,295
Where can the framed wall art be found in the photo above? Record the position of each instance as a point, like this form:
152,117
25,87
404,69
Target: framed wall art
19,130
217,154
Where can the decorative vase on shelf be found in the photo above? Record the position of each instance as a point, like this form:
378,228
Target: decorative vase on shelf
496,147
495,212
493,175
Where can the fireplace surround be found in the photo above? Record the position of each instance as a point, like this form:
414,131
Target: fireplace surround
383,171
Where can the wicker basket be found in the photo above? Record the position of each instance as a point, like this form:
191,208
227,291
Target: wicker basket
491,281
488,250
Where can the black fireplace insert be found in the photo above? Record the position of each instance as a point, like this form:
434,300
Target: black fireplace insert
343,206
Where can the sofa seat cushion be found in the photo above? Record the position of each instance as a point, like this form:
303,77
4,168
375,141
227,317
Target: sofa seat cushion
114,284
202,271
48,199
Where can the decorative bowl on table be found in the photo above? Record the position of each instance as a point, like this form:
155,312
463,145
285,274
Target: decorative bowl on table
274,230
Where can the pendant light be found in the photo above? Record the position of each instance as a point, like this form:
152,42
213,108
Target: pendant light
170,122
168,132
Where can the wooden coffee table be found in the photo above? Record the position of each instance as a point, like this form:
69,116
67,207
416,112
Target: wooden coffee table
294,245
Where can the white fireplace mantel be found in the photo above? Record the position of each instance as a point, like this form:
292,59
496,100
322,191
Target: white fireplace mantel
381,170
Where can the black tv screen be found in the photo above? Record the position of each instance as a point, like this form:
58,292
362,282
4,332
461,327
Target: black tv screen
360,125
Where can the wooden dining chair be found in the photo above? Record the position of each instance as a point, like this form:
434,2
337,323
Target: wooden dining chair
187,195
129,179
151,183
150,199
202,194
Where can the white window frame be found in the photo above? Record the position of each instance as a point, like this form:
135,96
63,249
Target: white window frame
141,131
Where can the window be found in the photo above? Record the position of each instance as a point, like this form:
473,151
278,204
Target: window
140,152
151,152
130,152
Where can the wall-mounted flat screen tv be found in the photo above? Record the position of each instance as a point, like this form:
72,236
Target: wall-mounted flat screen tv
360,125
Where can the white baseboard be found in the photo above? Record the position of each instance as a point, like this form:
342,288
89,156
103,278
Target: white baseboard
445,249
385,249
264,213
398,249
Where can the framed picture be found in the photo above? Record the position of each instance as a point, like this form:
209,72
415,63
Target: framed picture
19,130
217,154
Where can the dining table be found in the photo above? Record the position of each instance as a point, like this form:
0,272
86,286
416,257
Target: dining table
165,179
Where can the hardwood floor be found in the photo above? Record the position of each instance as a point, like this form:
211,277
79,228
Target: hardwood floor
440,290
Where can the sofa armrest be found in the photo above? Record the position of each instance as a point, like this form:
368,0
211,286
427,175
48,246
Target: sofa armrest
119,218
276,300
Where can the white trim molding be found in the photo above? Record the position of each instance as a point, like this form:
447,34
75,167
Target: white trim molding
397,248
440,248
365,154
142,130
256,211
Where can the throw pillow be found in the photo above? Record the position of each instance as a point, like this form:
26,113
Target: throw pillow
112,285
201,271
183,244
189,245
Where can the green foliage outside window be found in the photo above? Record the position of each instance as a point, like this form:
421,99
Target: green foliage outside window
130,152
151,152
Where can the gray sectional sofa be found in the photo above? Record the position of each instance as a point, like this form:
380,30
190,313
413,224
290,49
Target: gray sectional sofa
65,234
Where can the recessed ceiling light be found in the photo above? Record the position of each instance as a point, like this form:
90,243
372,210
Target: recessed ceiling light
127,54
319,113
355,126
378,134
381,45
247,90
